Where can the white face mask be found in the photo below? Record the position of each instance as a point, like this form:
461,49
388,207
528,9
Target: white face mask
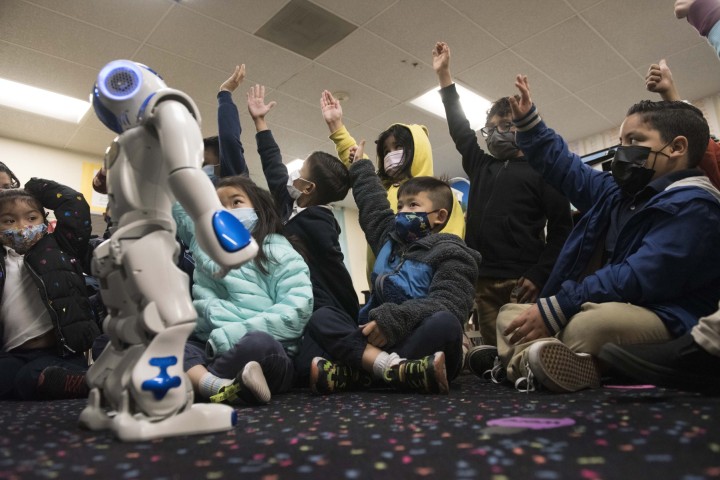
392,161
247,216
294,192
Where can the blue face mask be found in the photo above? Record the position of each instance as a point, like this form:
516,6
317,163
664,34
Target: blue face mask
210,172
247,216
22,239
411,226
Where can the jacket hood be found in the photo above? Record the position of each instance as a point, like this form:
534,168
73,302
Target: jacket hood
422,163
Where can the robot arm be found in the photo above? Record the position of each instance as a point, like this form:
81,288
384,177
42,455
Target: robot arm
222,236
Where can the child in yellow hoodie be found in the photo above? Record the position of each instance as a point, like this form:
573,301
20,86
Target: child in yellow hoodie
403,152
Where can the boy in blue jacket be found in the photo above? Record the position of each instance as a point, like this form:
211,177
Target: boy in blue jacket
641,266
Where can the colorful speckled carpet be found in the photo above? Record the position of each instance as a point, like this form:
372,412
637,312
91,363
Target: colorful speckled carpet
479,431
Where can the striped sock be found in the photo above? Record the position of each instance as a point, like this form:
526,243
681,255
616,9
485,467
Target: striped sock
384,361
210,384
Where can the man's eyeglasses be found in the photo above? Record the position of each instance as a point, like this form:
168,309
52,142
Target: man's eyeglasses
502,127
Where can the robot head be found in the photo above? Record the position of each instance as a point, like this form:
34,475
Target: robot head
122,92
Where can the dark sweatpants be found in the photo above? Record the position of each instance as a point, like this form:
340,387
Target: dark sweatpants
334,334
20,370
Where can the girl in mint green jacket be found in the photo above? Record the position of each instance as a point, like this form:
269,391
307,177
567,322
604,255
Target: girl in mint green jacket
249,322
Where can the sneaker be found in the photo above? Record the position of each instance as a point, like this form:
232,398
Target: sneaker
330,377
58,383
557,368
484,362
679,363
249,388
426,375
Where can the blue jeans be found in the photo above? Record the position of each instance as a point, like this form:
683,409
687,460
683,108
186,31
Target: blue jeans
20,370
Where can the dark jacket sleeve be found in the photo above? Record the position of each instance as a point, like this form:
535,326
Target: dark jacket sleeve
72,212
276,173
466,142
557,211
375,215
232,155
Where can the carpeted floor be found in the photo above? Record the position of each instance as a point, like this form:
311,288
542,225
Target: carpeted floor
479,431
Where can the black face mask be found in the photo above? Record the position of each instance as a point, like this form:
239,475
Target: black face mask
628,167
502,145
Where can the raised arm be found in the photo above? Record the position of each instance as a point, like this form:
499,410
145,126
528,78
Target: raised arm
659,80
332,113
232,154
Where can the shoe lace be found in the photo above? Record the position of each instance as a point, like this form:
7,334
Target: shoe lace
526,384
413,373
497,372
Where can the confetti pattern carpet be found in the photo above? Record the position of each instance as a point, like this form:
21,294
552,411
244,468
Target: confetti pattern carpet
479,431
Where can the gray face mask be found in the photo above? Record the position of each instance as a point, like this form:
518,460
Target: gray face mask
502,145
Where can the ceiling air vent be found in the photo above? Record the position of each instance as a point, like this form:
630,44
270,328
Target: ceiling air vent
305,28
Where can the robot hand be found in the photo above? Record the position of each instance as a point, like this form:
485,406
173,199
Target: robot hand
226,240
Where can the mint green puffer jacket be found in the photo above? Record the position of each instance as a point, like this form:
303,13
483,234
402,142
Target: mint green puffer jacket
246,300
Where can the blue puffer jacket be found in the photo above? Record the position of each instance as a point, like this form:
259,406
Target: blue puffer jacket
247,300
666,257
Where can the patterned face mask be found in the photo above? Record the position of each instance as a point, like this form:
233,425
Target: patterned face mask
411,226
22,239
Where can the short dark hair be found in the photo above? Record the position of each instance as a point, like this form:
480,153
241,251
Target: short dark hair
403,136
330,176
212,144
437,190
672,119
14,195
268,218
14,182
501,108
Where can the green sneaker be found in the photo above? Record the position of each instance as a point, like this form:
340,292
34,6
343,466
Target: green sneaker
330,377
249,388
426,375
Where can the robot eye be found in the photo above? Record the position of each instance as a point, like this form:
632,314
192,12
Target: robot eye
122,81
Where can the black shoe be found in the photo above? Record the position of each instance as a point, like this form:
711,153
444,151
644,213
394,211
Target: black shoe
329,377
249,388
426,375
58,383
679,363
484,362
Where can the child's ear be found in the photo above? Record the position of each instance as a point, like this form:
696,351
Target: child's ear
679,147
442,216
309,189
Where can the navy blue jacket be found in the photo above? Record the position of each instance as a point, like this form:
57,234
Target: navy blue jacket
665,258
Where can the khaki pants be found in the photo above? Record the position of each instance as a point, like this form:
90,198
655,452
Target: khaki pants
595,325
490,295
707,333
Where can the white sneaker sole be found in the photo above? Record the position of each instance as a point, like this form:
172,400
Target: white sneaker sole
254,380
559,369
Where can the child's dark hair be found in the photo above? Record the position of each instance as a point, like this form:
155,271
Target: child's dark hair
501,108
330,176
438,191
672,119
212,144
268,218
14,195
404,138
14,182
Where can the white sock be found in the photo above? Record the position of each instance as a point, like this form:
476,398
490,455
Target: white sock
210,384
384,361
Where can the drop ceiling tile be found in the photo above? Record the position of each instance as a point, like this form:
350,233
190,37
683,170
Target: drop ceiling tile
375,62
690,70
294,144
363,103
580,5
223,47
296,115
91,141
247,15
414,36
495,78
57,35
51,73
617,22
512,21
119,17
354,11
563,52
572,119
35,128
628,89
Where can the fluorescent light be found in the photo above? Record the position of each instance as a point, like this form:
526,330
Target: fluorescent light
42,102
295,165
474,105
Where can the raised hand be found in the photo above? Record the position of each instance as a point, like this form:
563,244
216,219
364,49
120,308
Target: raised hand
659,80
256,102
441,63
235,79
357,151
331,111
682,7
522,107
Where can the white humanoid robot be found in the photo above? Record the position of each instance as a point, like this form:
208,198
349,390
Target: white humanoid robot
138,387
